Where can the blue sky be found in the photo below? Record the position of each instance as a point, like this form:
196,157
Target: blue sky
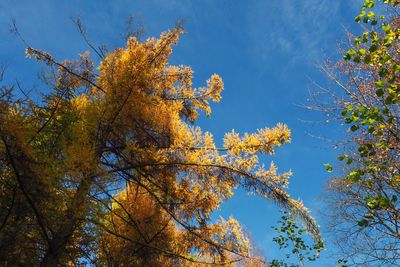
265,51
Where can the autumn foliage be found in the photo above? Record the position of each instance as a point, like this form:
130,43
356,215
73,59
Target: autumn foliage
109,168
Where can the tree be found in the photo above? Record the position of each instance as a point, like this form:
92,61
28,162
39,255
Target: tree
365,209
292,237
110,170
151,237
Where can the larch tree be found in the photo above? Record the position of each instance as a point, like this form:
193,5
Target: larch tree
109,169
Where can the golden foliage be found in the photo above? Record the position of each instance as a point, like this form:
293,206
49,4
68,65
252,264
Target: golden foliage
131,121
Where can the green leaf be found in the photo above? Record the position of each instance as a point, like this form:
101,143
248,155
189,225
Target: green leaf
354,128
328,167
369,4
385,27
383,72
371,14
348,120
373,48
363,223
379,92
389,100
371,129
354,176
351,52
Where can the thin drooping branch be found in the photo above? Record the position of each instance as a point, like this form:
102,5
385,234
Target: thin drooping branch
83,32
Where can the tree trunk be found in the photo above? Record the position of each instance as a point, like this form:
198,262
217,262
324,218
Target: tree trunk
61,238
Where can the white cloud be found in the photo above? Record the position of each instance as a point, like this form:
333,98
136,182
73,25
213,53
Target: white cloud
302,30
